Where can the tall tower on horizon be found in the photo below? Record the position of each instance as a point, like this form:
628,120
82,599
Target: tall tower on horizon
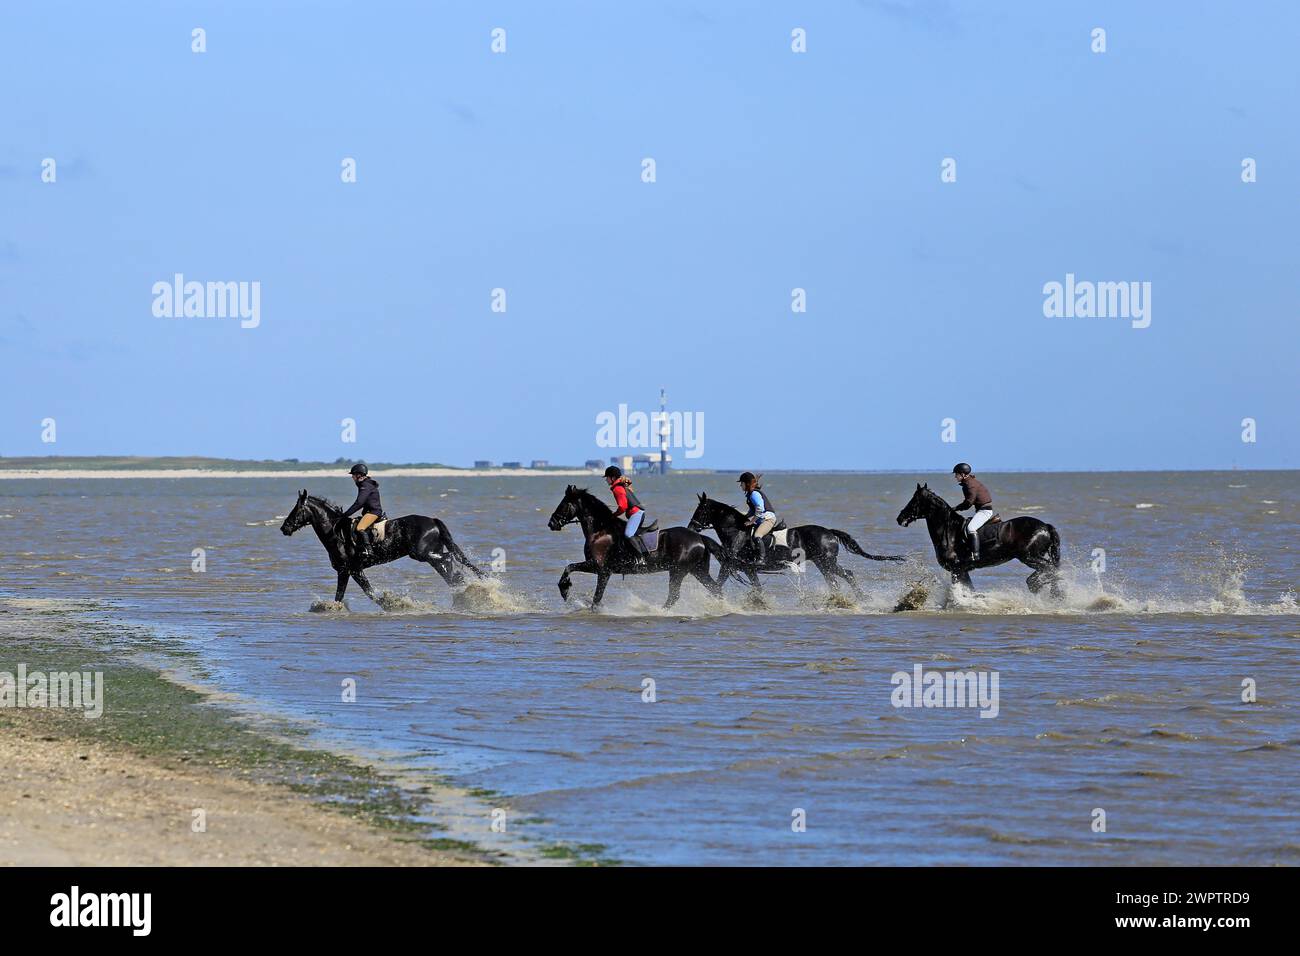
664,431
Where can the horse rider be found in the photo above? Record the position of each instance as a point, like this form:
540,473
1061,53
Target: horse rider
977,497
760,517
367,503
630,507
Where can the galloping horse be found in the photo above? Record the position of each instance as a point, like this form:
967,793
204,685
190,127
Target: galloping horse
410,536
1027,539
807,542
680,552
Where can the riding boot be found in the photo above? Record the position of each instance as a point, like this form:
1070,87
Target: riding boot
974,547
760,550
639,551
362,540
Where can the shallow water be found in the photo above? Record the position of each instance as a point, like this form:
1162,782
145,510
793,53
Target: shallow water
1124,697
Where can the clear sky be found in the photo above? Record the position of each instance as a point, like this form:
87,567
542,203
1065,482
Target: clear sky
775,170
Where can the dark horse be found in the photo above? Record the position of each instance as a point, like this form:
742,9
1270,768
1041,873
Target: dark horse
680,551
410,536
807,542
1033,542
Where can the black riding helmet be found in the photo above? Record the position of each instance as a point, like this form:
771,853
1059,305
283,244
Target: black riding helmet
746,477
613,471
961,468
359,469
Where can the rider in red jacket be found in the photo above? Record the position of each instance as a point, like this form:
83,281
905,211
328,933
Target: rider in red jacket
629,507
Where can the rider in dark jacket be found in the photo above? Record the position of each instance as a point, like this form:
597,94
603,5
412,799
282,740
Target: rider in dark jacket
367,503
975,496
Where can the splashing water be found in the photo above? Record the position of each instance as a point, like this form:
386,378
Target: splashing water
914,597
491,596
328,607
399,603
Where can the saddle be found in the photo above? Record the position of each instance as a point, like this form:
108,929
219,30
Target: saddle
778,544
649,535
376,530
988,535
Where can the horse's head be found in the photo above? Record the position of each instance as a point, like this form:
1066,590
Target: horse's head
298,517
566,512
917,507
703,517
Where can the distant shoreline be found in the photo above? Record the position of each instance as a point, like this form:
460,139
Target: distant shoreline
42,468
399,472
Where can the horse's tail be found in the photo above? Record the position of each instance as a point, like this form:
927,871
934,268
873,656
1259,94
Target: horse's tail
853,546
457,553
721,554
1054,547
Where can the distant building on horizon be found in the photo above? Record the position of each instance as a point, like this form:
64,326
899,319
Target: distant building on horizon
512,464
540,463
594,463
652,463
484,464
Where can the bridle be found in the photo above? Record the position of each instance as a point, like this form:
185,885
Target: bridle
572,519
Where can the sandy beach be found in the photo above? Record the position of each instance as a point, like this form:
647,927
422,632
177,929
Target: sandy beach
66,802
123,788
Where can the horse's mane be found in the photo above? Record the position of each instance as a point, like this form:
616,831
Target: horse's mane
318,499
722,504
933,495
594,503
600,511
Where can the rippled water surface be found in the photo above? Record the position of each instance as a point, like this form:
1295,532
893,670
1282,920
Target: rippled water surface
1127,697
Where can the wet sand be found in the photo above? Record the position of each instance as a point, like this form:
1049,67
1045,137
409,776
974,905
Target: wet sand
122,788
73,802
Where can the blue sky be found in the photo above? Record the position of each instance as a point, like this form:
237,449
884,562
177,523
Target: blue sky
775,170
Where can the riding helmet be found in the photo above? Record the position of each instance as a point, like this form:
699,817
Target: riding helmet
613,471
961,468
746,477
359,469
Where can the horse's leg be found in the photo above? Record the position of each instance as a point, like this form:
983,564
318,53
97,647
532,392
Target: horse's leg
364,583
963,578
602,578
1052,571
701,573
342,586
1045,573
565,584
848,576
830,572
456,553
446,570
1054,583
675,576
